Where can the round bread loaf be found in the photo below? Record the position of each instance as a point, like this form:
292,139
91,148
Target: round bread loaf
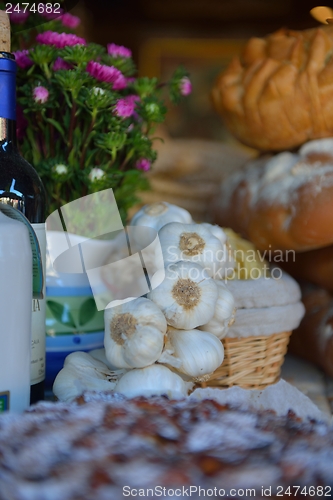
282,202
313,339
315,266
279,93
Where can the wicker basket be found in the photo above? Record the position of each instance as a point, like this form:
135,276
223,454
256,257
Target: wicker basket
250,362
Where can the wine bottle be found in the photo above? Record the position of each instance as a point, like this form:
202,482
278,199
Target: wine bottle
21,187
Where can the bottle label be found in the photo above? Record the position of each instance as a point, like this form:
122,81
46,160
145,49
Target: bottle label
38,318
37,266
4,401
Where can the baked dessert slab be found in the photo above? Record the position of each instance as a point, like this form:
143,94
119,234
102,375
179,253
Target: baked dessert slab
92,449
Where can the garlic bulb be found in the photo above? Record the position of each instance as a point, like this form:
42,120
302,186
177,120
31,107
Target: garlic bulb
187,296
82,372
134,333
156,215
227,256
224,312
99,354
193,352
195,243
216,231
154,380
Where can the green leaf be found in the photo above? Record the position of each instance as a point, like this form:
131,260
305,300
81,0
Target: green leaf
61,313
87,311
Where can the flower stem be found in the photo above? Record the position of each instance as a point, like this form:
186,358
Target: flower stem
71,127
86,142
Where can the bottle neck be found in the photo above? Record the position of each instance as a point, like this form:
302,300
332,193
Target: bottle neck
7,134
7,101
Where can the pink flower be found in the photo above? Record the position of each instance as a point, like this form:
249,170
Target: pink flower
50,15
108,74
118,50
143,164
59,63
18,17
59,40
70,21
40,94
22,59
185,86
125,107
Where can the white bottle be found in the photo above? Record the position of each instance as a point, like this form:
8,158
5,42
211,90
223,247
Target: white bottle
15,315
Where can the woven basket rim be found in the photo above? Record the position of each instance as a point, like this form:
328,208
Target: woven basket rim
250,362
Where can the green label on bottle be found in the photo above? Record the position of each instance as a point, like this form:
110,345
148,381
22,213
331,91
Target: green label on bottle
37,267
4,401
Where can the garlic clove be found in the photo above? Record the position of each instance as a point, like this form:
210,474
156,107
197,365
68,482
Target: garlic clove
224,312
134,333
187,296
216,231
153,380
200,352
99,354
81,372
194,243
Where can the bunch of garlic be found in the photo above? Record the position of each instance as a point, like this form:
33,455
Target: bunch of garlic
161,344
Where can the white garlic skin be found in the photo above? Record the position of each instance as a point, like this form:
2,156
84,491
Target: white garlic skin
134,333
195,243
154,380
200,352
224,312
99,354
82,372
156,215
216,231
199,309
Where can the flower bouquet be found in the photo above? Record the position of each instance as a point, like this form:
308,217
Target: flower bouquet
85,120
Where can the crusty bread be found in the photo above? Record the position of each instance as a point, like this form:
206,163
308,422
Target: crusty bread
279,93
315,266
313,340
282,202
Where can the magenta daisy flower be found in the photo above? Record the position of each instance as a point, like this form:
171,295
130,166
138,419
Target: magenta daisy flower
70,21
108,74
59,64
18,17
118,50
185,86
40,94
125,107
22,59
143,164
59,40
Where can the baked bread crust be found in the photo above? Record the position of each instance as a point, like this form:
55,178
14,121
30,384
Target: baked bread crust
313,339
279,93
282,202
